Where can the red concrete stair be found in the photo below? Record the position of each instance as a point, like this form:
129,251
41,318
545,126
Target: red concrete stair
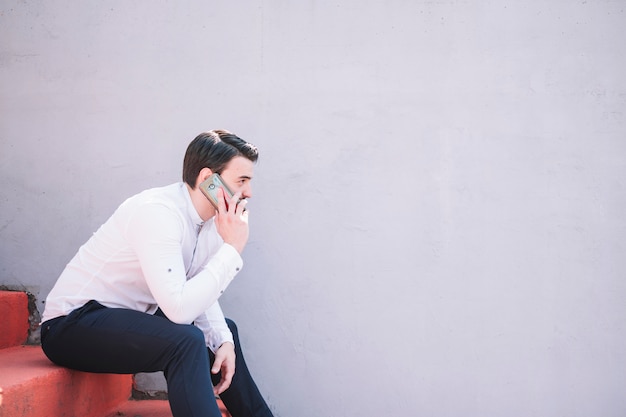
32,386
13,318
151,408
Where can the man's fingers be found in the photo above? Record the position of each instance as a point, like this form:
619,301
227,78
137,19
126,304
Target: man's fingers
221,204
221,364
217,364
225,364
241,207
223,385
232,203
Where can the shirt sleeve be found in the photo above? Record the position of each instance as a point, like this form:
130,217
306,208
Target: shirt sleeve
155,232
214,327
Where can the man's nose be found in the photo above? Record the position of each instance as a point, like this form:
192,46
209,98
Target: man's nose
246,191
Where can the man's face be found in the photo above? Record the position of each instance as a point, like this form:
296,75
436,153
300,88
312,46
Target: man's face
238,174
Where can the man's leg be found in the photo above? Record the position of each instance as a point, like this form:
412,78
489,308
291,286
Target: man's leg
113,340
242,398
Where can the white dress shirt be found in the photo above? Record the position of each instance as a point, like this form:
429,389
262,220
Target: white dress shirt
153,252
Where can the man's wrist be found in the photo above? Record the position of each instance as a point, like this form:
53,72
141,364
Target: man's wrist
228,342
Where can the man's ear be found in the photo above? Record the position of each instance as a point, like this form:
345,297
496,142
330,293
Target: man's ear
203,175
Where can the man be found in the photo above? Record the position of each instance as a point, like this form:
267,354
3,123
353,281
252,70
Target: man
141,295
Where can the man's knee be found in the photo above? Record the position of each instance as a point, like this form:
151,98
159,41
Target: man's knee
233,329
190,335
232,326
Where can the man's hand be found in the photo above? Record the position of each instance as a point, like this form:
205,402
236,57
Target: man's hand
232,223
224,362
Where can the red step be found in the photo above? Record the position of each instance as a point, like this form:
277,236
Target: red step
13,318
32,386
151,408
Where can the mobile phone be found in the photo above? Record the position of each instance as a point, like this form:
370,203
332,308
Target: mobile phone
210,186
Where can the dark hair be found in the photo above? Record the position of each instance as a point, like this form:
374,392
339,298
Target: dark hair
214,150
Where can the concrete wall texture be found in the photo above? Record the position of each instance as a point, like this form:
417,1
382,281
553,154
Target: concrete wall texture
438,223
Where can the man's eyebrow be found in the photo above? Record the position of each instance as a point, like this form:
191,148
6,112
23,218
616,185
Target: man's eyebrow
245,177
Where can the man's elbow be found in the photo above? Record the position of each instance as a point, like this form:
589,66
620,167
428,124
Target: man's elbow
179,316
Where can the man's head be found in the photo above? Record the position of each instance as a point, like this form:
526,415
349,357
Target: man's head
214,150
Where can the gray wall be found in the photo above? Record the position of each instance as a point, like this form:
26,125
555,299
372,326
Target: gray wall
438,224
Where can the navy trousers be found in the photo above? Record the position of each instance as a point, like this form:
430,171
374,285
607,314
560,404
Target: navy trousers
95,338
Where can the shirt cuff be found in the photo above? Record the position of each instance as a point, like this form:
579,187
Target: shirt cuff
217,339
214,327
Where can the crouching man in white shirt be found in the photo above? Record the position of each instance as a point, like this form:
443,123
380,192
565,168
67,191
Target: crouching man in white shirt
141,295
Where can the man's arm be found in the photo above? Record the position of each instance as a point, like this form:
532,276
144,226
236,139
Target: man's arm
213,325
155,232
